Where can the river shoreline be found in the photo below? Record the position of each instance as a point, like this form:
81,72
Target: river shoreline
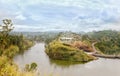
96,54
106,56
99,67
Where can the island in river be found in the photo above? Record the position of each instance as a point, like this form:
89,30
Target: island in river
69,47
73,47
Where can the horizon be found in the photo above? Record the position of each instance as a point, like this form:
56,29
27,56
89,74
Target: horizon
62,15
81,32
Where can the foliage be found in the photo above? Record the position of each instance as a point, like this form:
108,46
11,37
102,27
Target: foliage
30,67
10,45
11,51
39,36
8,68
57,50
7,27
108,41
15,40
83,46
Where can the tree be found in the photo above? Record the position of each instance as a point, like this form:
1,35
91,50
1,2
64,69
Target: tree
7,27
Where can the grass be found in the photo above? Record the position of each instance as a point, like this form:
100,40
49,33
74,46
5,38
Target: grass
57,50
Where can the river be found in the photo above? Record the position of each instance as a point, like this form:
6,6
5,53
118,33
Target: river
46,66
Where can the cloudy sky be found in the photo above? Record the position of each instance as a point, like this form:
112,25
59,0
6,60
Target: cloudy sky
62,15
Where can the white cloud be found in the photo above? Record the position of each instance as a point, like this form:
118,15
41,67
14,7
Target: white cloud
63,14
20,17
28,28
112,26
77,3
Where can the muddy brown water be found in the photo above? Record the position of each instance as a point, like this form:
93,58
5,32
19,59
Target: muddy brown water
46,66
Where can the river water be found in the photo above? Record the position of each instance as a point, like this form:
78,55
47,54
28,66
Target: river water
100,67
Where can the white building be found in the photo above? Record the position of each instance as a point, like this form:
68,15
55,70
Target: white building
66,40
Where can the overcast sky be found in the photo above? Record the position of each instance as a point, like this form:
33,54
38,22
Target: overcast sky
62,15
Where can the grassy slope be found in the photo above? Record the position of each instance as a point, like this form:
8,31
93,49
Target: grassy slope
57,50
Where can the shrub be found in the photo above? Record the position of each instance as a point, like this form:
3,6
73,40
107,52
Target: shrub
30,67
11,51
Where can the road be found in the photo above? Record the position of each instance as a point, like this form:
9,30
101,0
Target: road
102,55
93,46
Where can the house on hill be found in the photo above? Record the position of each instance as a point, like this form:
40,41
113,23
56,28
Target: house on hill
67,40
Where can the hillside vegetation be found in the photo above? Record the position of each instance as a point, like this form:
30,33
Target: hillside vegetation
108,42
70,52
10,45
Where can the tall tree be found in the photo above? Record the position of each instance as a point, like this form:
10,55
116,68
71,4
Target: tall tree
7,26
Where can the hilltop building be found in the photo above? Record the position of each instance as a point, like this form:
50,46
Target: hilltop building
69,37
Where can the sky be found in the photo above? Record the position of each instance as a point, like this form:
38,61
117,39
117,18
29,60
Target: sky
62,15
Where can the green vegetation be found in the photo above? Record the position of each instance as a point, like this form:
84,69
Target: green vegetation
9,68
61,51
108,42
39,36
10,45
18,42
31,67
64,63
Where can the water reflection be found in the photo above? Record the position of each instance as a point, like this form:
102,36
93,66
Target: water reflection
63,63
47,67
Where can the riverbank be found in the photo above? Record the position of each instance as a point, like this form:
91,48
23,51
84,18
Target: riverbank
11,46
97,54
106,56
46,67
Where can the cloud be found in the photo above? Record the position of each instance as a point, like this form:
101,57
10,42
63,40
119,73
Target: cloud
20,17
74,15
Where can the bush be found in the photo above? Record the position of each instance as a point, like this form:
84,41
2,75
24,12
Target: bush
11,51
30,67
8,68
